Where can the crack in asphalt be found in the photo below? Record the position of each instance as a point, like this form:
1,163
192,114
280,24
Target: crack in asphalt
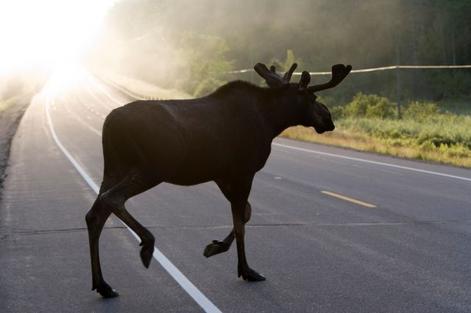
24,232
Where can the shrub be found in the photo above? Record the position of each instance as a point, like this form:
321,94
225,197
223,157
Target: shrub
336,112
371,106
420,110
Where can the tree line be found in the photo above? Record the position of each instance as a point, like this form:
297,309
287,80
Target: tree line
193,45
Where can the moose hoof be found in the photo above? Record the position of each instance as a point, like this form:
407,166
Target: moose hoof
147,251
250,275
106,291
215,247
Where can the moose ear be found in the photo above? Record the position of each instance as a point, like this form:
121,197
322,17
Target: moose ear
305,80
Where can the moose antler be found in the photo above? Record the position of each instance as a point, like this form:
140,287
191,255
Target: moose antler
289,73
339,72
271,77
305,79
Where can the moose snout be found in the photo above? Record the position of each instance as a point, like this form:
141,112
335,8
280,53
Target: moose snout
324,127
327,125
331,127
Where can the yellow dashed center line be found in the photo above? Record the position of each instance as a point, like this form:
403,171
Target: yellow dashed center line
336,195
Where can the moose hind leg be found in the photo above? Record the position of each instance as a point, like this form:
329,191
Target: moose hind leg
147,239
216,247
132,185
96,219
112,201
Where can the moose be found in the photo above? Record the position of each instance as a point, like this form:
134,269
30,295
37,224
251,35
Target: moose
224,137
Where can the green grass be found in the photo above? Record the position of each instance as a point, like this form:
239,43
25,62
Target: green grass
4,104
444,138
428,130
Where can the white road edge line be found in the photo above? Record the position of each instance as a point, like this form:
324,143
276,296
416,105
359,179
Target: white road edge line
181,279
340,156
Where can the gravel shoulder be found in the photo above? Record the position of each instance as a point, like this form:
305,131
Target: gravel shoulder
10,116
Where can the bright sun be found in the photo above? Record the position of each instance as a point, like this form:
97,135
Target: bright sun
47,33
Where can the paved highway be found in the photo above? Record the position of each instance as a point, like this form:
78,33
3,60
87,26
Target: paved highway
333,230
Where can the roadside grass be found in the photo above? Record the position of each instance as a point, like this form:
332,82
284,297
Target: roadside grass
443,138
428,131
16,102
6,103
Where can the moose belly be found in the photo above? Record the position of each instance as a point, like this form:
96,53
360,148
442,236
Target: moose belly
201,168
194,171
186,180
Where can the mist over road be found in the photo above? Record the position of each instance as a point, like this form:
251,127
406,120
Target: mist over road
333,230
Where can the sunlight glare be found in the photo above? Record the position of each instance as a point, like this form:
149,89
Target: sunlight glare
64,78
47,33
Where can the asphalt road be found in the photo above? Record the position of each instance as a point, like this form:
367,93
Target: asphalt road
333,230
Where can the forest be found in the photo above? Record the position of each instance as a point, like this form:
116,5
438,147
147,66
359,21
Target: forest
192,46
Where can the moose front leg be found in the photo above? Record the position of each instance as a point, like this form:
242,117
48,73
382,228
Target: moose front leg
237,191
243,269
217,247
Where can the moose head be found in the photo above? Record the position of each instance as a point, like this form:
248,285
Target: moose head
316,114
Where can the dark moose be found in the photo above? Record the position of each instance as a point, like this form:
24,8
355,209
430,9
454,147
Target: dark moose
224,137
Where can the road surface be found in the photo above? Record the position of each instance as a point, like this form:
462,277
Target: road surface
333,230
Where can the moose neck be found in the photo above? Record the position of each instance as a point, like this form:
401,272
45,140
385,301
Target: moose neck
276,106
280,111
